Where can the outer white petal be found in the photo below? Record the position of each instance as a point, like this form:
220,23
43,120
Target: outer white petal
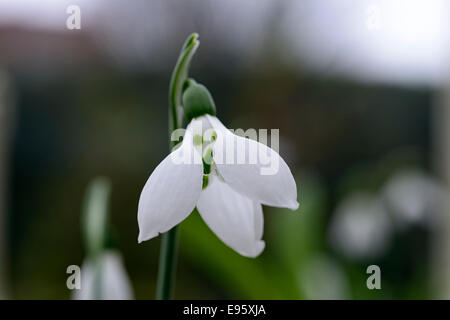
234,218
253,169
111,276
171,192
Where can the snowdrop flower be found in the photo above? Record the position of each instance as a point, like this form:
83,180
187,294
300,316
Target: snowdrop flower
414,197
361,227
225,176
110,277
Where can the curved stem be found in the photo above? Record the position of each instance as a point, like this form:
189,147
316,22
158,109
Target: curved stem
179,76
169,243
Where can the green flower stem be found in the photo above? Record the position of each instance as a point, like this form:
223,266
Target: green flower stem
169,243
167,264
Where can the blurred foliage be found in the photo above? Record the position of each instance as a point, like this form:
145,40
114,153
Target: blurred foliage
338,137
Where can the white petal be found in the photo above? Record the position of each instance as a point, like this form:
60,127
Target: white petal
171,192
253,169
111,277
234,218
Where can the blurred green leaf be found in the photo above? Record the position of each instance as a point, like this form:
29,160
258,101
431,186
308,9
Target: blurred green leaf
95,215
241,277
296,236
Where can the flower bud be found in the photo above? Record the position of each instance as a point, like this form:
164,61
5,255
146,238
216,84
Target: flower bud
197,101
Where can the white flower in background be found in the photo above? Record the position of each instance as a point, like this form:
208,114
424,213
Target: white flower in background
413,197
106,280
225,177
360,227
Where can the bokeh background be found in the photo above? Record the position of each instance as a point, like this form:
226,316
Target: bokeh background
360,91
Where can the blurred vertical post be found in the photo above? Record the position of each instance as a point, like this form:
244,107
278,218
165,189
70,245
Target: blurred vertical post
441,124
6,126
441,145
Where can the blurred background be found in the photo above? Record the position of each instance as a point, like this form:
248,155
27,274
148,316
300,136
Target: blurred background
360,91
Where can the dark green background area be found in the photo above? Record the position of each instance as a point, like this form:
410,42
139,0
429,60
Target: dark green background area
85,115
105,123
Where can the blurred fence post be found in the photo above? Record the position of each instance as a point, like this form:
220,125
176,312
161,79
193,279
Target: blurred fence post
6,126
441,254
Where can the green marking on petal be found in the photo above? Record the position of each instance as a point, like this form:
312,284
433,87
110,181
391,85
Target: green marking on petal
198,140
214,136
207,161
205,181
206,168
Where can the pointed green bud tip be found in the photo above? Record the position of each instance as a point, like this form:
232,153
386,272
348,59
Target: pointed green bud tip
197,101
